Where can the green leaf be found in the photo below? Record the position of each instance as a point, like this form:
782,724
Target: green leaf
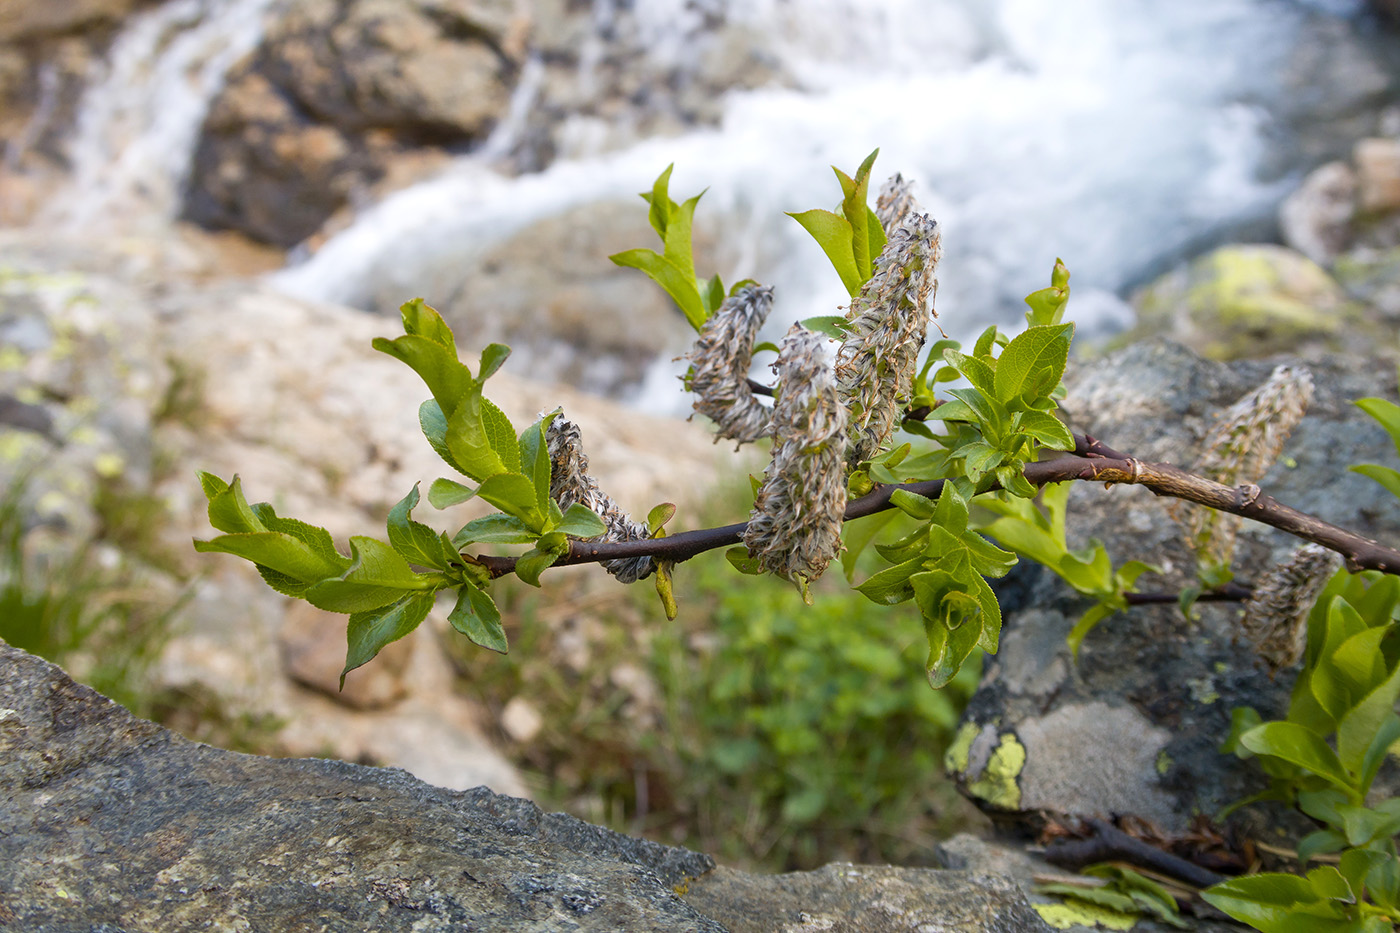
1272,903
500,435
1047,429
854,207
470,443
671,277
581,522
913,504
491,359
952,511
1321,842
1033,362
514,494
712,293
446,377
858,534
532,563
495,529
534,459
1387,413
422,321
377,576
978,371
475,615
434,425
1297,745
659,516
1086,623
1388,478
833,325
1386,736
833,234
659,199
739,558
370,631
665,591
415,542
445,493
1356,729
1047,306
891,585
228,510
278,551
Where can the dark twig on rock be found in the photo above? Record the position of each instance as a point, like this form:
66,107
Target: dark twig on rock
1110,844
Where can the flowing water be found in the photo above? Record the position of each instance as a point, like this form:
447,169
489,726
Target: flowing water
1113,133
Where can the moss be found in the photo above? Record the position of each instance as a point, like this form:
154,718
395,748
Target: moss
1164,762
1078,913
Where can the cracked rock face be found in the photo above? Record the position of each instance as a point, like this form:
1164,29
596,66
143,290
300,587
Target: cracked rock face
108,822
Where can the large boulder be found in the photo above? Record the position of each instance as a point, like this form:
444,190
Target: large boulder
1134,725
114,823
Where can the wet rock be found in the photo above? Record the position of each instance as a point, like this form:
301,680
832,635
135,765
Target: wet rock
1250,301
1133,727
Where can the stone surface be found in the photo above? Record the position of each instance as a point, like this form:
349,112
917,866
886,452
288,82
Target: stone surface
114,823
1133,727
1250,301
1316,219
1377,175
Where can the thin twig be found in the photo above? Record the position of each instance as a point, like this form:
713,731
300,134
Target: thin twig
1092,461
1109,843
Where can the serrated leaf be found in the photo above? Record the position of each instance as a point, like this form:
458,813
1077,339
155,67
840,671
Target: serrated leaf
229,510
1047,429
977,371
421,320
856,211
534,459
445,493
740,560
277,551
1356,728
581,522
677,248
951,513
494,529
447,378
1273,903
891,585
670,277
434,425
500,435
370,631
982,349
281,583
475,615
415,542
659,199
858,534
833,234
491,359
514,494
1033,362
376,577
912,504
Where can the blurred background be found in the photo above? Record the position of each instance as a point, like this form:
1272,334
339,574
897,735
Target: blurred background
211,206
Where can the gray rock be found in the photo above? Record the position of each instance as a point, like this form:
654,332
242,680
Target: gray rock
1134,726
110,822
1316,219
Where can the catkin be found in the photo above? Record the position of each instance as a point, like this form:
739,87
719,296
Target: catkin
720,366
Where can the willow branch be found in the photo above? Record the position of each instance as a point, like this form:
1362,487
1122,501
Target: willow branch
1092,461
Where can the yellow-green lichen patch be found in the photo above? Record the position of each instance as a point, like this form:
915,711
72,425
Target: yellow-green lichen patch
1164,762
1071,913
955,758
997,783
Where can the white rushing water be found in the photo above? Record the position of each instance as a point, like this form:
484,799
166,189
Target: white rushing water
1113,133
140,118
1109,132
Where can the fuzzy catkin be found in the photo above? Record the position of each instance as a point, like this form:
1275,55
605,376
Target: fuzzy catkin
1245,441
569,483
1276,615
895,202
885,332
795,529
721,357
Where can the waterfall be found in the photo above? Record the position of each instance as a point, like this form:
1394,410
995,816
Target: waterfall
140,116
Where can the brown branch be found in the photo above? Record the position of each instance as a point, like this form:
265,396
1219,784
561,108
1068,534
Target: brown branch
1229,593
1092,461
1107,843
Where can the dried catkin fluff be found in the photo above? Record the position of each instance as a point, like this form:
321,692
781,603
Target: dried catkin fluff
569,483
721,358
1243,444
887,323
895,202
795,530
1276,616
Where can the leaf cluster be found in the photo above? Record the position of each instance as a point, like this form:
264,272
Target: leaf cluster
1323,758
388,588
